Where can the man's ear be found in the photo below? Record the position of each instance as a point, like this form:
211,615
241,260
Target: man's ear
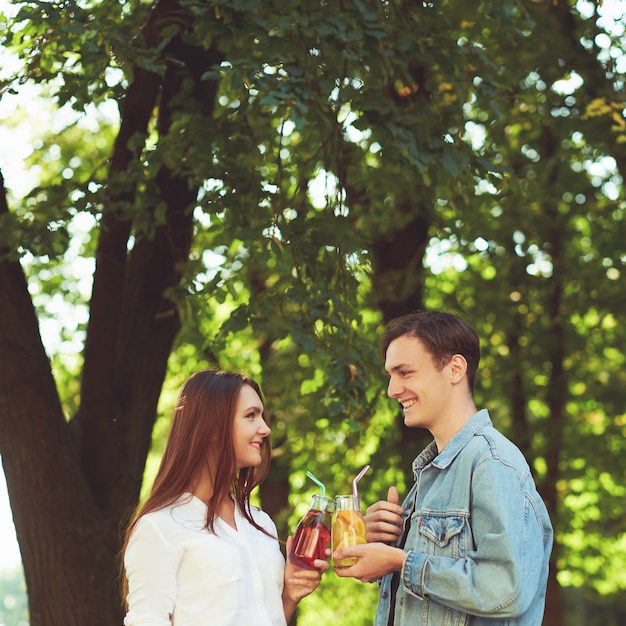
458,368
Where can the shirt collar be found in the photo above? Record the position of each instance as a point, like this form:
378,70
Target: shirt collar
457,443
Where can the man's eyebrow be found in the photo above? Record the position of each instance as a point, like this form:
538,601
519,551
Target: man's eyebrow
397,368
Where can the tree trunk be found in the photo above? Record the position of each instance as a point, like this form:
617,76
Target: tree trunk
70,482
397,282
67,545
557,400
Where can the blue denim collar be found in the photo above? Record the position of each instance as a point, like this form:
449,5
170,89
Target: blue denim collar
442,459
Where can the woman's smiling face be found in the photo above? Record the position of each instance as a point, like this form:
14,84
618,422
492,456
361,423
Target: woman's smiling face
249,428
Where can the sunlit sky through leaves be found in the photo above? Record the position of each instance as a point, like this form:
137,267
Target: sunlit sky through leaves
26,115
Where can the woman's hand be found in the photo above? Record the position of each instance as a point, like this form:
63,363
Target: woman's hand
300,582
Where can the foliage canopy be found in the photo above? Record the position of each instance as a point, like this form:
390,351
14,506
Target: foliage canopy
260,185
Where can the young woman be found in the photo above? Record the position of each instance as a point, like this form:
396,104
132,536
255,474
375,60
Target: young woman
197,553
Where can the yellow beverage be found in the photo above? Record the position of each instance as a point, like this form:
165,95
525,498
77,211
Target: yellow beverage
348,530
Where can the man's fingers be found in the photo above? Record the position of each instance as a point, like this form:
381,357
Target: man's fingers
383,520
393,496
386,505
382,536
383,526
383,517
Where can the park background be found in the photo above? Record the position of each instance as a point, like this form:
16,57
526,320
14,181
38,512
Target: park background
260,186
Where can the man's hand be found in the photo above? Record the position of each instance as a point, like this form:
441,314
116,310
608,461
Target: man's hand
383,519
374,561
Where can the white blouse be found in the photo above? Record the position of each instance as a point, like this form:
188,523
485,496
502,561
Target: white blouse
181,574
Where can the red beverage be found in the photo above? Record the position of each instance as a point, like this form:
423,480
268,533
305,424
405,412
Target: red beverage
312,535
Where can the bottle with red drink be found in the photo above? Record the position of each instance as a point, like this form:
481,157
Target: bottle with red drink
313,533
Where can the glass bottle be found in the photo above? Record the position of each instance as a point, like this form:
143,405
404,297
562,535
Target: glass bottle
349,527
313,533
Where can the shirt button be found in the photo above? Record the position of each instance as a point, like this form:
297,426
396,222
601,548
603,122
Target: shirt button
384,595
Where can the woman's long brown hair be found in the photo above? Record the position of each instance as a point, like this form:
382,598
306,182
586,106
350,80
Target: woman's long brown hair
202,426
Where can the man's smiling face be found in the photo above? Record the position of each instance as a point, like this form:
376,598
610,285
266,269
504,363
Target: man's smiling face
416,383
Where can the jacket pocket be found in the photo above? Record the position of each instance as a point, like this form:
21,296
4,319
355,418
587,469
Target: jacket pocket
442,534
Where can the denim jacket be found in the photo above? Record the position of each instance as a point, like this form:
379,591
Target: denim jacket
478,537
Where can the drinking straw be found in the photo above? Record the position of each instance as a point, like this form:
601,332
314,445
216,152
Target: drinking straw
318,483
356,480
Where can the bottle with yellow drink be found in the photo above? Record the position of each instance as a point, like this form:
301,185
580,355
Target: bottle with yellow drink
348,528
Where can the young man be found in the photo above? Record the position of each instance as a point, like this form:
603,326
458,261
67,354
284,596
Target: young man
470,545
